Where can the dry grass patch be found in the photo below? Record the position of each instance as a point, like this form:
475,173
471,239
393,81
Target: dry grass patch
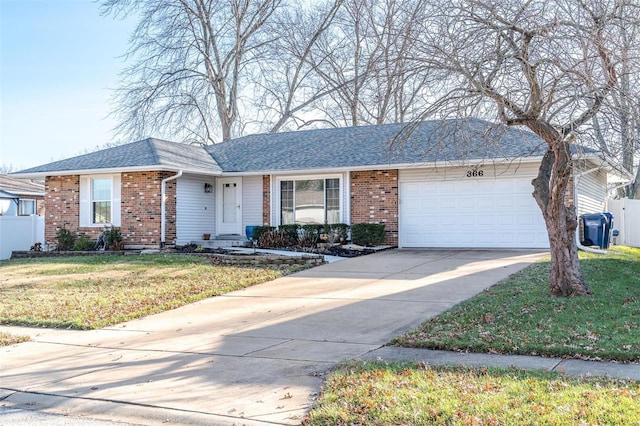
98,291
7,339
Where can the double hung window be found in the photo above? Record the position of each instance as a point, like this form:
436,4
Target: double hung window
101,201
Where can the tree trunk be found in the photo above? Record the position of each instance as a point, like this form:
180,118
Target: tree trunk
550,188
565,277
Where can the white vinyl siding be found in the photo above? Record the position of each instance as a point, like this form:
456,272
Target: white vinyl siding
195,209
86,214
251,201
447,208
591,192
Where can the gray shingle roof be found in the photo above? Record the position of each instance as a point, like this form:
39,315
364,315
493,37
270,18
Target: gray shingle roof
347,147
430,141
149,153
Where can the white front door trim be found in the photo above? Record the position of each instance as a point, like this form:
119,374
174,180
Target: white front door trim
229,202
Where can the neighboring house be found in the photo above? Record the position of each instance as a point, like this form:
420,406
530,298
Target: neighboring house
448,184
20,197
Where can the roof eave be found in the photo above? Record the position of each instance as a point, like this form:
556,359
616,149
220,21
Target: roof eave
41,175
458,163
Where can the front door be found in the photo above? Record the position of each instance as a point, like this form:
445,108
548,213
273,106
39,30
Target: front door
229,206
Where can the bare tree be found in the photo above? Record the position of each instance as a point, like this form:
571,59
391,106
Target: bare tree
364,60
287,85
5,168
548,66
188,63
617,131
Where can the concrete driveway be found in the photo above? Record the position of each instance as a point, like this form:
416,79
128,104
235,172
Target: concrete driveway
256,356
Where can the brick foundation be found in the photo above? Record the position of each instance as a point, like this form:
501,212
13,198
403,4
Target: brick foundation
374,199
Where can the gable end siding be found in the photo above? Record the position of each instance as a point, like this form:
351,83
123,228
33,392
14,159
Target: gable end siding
252,201
195,209
591,192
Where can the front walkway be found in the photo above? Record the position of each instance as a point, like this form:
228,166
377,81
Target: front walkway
256,356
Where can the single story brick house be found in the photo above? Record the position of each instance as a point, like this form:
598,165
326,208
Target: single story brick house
448,183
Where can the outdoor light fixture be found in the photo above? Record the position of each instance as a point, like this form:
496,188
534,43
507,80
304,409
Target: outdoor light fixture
208,188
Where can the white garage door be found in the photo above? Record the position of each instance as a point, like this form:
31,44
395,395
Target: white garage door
472,212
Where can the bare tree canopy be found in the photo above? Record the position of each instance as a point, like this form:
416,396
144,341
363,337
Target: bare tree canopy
189,60
549,66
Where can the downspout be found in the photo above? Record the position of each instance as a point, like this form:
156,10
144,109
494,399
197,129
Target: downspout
163,206
575,203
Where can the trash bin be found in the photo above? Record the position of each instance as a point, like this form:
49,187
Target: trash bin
596,229
249,231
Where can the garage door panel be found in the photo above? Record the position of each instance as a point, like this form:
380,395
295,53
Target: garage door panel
484,213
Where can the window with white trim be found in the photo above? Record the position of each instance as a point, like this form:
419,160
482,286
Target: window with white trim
26,207
306,201
100,200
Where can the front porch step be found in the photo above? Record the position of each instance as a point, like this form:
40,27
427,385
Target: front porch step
224,242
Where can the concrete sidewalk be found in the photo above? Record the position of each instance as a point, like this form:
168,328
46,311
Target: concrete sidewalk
256,356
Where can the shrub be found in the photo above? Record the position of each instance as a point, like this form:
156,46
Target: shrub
367,234
259,230
310,235
65,239
291,232
113,238
36,247
83,243
274,239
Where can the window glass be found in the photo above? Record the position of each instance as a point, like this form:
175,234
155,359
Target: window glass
101,200
286,203
309,201
333,200
26,207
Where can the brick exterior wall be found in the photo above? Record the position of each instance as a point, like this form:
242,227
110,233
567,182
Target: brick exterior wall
374,199
141,208
266,200
61,205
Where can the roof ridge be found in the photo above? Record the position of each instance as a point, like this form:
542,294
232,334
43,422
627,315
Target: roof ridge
150,141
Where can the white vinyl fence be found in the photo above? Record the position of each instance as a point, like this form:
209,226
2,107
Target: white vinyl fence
626,218
19,233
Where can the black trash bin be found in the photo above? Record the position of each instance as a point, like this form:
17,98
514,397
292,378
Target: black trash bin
596,229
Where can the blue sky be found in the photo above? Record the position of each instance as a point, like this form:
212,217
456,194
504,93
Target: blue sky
59,61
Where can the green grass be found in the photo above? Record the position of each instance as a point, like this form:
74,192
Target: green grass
411,394
98,291
517,316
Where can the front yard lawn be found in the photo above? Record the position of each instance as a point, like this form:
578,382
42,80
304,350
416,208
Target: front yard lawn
411,394
98,291
517,316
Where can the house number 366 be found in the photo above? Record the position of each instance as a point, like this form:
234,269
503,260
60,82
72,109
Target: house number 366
475,173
